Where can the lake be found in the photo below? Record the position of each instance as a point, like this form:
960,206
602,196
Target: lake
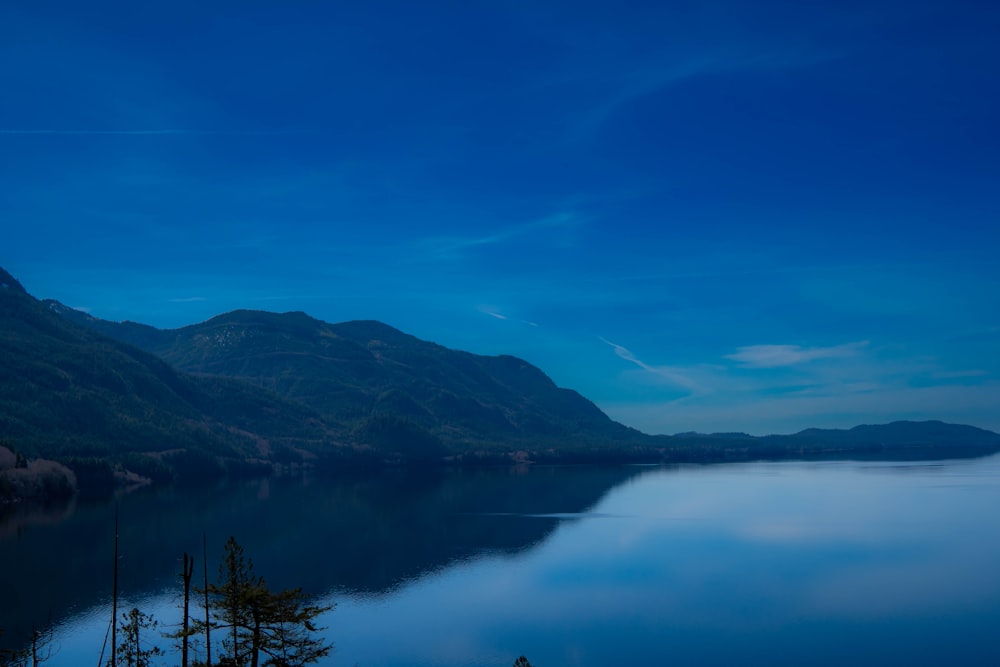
772,563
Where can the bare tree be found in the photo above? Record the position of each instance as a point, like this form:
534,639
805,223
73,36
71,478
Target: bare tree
39,651
185,632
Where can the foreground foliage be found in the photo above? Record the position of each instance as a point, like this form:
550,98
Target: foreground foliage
135,650
262,627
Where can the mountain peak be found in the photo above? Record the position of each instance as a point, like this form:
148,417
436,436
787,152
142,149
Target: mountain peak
9,283
257,317
364,331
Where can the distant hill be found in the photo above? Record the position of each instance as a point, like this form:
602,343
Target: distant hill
901,439
249,390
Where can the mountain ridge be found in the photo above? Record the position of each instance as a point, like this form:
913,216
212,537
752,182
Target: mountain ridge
121,330
360,368
251,390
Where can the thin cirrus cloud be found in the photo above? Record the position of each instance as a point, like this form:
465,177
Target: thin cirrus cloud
144,132
501,316
453,247
669,374
643,81
775,356
959,375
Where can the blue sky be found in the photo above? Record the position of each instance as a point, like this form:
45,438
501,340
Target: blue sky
713,216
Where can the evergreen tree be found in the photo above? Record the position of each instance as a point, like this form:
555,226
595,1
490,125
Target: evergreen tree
131,652
264,629
285,630
235,596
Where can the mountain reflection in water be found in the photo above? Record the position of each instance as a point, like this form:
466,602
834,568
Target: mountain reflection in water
769,563
361,535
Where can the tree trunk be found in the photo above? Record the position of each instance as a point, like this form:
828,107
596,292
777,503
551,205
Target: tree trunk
187,571
114,600
208,625
255,648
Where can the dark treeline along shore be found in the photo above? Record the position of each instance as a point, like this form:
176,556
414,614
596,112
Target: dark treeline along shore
87,405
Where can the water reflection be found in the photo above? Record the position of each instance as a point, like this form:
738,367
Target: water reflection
17,517
366,534
765,563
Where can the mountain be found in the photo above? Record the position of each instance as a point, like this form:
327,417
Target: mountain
366,373
925,433
269,388
249,390
901,439
69,393
379,381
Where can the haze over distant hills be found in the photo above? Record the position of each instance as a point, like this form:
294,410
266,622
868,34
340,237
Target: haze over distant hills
252,386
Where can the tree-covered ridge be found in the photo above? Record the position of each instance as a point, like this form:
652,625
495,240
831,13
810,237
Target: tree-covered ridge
70,394
390,388
274,389
357,372
248,391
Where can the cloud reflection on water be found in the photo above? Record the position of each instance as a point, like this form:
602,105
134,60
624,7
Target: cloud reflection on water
766,563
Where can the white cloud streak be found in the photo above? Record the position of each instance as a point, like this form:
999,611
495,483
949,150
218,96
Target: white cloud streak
452,247
145,132
665,372
670,69
959,375
774,356
501,316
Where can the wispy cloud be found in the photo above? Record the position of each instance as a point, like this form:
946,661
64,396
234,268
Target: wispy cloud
798,386
726,270
501,316
773,356
187,299
452,247
758,414
146,132
665,372
671,69
959,375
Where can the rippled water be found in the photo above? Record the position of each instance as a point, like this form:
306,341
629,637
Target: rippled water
763,563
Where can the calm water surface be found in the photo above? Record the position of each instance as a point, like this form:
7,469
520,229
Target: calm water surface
763,563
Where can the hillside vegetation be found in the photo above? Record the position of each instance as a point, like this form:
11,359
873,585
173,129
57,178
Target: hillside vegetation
248,391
